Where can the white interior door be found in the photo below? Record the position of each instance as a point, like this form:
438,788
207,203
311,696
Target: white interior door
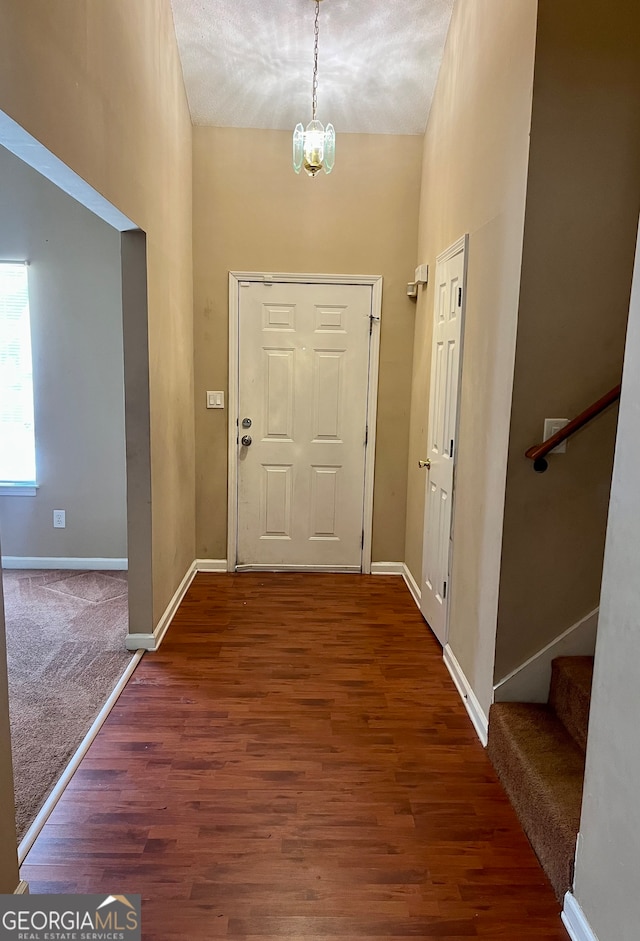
303,387
441,443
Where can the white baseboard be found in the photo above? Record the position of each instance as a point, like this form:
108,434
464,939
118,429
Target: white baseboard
54,562
140,642
211,565
377,568
47,808
575,921
23,888
531,681
411,584
387,568
153,641
469,698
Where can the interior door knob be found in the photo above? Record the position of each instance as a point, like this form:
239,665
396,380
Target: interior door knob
426,463
246,440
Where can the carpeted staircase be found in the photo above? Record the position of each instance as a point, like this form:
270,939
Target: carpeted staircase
539,752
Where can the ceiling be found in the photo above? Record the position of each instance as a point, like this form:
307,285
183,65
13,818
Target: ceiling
249,63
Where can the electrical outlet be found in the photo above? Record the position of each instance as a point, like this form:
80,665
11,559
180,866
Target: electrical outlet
59,519
551,425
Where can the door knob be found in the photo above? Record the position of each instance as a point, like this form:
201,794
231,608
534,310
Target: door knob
426,463
246,440
246,423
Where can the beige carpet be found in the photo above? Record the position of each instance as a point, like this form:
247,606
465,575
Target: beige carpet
65,649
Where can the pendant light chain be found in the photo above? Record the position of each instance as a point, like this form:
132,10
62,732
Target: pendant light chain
316,33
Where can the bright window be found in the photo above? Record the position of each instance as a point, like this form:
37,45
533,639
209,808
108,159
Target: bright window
17,439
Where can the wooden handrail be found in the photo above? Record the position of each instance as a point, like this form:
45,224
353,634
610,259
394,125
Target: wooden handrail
538,452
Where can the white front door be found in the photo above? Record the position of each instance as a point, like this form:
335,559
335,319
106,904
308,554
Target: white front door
302,395
441,443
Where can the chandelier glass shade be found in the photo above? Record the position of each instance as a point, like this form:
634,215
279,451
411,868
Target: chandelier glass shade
314,146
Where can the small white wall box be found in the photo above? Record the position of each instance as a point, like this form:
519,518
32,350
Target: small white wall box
551,425
421,277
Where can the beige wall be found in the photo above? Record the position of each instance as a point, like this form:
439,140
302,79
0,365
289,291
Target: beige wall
606,880
100,85
580,228
76,338
252,213
474,180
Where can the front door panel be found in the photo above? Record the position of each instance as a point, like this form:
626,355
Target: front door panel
304,365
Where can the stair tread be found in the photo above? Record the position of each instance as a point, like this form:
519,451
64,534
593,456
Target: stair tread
542,770
551,752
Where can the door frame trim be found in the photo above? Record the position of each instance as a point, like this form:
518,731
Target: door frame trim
375,282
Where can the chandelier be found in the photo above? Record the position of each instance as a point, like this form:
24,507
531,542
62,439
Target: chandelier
314,147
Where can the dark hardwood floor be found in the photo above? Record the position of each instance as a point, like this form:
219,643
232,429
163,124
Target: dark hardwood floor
295,762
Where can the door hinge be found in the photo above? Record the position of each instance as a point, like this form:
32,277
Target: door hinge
366,434
370,325
459,297
451,450
362,540
444,591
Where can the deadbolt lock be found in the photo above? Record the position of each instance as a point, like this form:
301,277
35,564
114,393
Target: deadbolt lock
246,423
246,440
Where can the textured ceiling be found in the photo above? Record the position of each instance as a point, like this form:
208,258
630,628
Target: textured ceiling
249,63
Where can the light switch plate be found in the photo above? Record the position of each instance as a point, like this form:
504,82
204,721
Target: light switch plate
215,399
551,425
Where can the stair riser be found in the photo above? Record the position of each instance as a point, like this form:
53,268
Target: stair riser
570,696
